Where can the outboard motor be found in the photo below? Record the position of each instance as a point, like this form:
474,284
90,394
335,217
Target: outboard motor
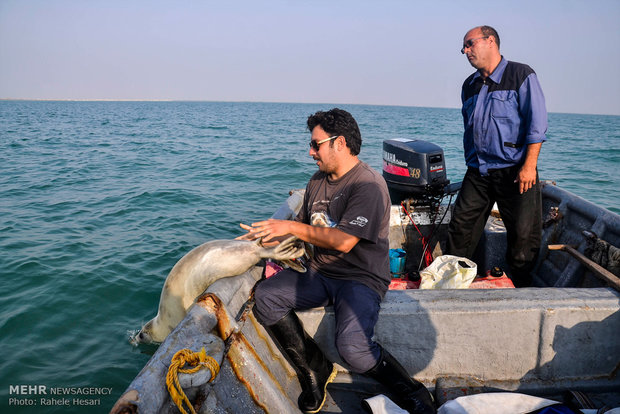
414,169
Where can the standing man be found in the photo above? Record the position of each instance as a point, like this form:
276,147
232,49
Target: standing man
345,215
505,124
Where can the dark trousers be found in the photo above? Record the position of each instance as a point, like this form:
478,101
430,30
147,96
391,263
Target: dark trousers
521,214
356,307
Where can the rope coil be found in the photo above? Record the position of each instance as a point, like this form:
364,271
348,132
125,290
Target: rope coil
197,360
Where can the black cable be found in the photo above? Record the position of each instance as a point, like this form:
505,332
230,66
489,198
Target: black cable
435,227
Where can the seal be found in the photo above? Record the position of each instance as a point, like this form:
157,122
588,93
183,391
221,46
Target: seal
198,269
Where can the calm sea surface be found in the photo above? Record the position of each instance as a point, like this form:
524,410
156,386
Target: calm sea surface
98,200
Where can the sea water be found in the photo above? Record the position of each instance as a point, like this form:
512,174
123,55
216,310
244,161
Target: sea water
98,200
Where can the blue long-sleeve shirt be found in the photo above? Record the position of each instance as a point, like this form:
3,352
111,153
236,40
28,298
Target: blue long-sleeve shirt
502,114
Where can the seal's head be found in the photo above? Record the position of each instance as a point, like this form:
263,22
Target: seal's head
144,335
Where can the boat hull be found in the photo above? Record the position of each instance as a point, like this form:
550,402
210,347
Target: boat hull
542,340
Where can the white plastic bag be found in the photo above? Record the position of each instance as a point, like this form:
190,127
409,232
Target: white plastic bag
511,403
447,273
380,404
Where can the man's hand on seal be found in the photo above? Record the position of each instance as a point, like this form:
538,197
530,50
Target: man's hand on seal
268,230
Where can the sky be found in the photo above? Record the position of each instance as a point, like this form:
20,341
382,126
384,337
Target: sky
386,52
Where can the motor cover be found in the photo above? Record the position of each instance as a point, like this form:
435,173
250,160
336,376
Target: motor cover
413,168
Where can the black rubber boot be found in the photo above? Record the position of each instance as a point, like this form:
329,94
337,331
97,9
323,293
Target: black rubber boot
408,393
315,371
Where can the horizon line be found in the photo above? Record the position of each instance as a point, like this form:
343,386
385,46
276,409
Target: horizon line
268,102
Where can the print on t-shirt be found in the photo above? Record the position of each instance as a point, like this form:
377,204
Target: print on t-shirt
322,219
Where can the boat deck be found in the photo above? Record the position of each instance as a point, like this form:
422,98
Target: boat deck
344,397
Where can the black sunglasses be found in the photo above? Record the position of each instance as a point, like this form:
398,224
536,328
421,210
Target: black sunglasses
316,144
469,43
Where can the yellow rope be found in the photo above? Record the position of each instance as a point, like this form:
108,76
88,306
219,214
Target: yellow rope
197,360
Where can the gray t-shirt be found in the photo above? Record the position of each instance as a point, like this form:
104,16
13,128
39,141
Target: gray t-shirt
358,204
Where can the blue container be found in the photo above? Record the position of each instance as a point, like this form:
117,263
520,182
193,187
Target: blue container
397,262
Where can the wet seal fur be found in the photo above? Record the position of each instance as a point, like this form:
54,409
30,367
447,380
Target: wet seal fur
198,269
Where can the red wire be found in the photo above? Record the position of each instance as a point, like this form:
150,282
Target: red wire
428,257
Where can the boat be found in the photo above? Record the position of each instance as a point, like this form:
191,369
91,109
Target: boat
563,333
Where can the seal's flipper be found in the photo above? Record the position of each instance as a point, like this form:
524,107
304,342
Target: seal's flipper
291,248
296,265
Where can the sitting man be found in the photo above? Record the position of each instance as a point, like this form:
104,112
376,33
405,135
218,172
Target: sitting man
345,215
